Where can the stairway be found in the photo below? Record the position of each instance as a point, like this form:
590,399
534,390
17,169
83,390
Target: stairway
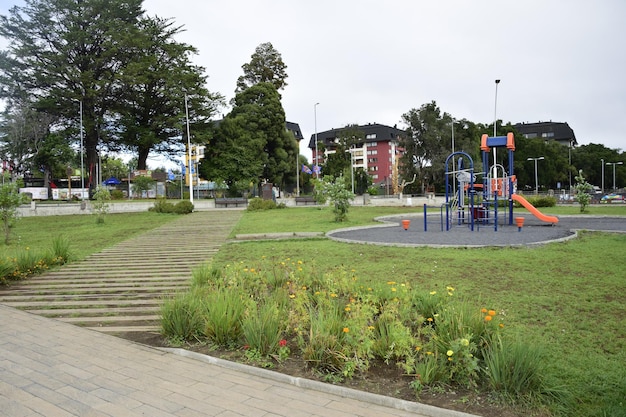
120,289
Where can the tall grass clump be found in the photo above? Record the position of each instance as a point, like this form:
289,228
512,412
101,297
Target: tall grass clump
224,311
182,317
60,252
262,328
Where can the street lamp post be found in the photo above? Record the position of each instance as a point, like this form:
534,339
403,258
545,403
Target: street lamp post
536,178
614,163
317,175
189,162
602,160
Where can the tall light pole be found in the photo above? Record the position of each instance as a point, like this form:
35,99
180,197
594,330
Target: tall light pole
536,179
614,163
82,177
189,162
495,124
317,175
602,160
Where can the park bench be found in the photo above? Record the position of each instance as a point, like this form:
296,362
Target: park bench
305,200
233,201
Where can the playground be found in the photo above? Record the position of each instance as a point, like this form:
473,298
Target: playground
478,211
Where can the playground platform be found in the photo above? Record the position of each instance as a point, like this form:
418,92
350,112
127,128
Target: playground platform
534,232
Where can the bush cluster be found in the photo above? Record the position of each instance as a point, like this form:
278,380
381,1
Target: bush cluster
117,194
163,206
258,204
340,325
539,201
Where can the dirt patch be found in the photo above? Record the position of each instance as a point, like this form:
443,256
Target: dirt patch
382,379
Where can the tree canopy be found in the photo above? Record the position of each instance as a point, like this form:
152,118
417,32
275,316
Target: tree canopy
266,66
104,62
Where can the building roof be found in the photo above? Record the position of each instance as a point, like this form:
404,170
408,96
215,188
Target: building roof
295,129
560,132
373,132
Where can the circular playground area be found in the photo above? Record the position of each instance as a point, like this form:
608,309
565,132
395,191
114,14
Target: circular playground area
393,233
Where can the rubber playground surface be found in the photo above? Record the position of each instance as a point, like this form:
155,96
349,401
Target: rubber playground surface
534,231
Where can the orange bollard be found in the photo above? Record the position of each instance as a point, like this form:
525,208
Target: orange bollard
519,221
405,224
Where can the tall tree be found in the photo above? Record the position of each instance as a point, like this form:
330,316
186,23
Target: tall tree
64,52
339,161
266,66
425,144
154,86
252,142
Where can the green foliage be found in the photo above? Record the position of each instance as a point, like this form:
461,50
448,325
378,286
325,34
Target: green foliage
100,203
259,204
182,316
117,195
27,262
262,327
266,66
183,207
10,200
161,205
224,311
537,201
142,183
335,190
582,188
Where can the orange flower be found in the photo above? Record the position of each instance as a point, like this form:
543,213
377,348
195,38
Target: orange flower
346,330
487,318
492,312
483,310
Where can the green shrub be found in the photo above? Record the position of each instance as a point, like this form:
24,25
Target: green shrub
258,204
161,205
117,194
183,207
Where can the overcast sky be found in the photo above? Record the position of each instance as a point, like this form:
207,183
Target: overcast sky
368,61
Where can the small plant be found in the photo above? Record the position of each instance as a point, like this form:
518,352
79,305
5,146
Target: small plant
101,203
10,200
258,204
60,250
582,188
335,190
161,205
183,207
262,328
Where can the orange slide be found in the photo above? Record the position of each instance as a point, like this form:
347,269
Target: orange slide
533,210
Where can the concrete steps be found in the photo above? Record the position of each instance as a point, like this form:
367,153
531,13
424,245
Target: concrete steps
121,288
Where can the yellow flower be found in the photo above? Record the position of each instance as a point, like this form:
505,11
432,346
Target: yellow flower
464,342
391,282
450,353
501,325
430,319
333,295
449,288
346,330
292,296
433,292
393,290
347,308
418,348
371,327
299,262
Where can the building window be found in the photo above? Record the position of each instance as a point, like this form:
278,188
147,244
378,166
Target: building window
530,135
372,160
372,152
371,136
547,135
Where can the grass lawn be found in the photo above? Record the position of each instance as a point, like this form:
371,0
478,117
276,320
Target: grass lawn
84,235
566,297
